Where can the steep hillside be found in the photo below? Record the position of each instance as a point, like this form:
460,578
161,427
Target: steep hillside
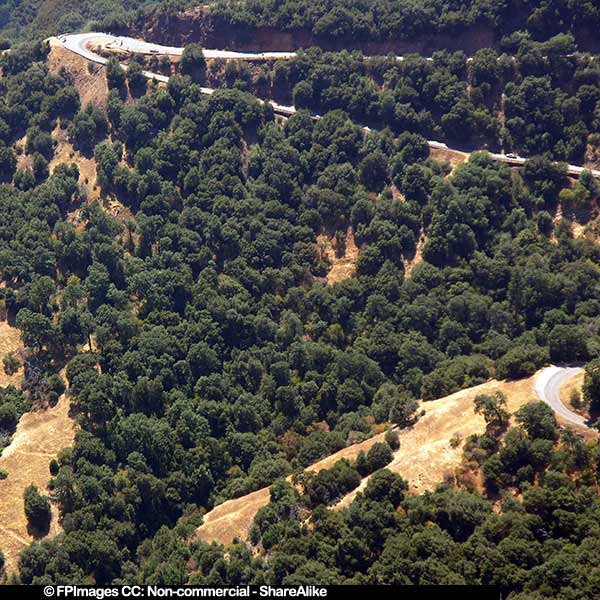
375,28
188,240
33,19
39,438
427,455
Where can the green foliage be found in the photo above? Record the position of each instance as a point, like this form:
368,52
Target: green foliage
8,163
37,509
329,485
391,439
54,467
374,171
521,361
591,384
89,127
538,420
11,363
492,408
393,404
193,63
221,361
136,79
449,535
115,74
378,456
37,19
567,344
351,23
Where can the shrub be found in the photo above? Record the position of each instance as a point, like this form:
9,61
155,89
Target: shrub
37,508
11,363
521,361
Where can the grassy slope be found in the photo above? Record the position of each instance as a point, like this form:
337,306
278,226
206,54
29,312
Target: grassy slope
426,456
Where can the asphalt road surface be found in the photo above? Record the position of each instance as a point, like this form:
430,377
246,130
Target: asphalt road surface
547,387
80,43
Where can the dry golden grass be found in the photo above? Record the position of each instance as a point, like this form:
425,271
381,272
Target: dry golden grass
425,457
454,157
24,161
10,341
409,265
584,222
575,383
233,518
65,153
40,435
342,267
397,194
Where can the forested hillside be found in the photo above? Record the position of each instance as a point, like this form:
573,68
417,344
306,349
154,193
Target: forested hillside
34,19
383,20
205,354
376,27
542,99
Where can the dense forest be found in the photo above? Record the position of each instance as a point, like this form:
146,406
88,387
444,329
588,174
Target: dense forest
409,19
33,19
206,356
542,100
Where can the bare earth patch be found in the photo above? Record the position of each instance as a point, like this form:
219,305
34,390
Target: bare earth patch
425,457
65,153
24,161
584,222
342,267
454,157
39,437
409,265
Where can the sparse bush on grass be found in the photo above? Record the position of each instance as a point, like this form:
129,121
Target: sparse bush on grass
11,363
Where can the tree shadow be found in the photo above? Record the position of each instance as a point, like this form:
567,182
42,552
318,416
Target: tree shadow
41,529
594,417
580,214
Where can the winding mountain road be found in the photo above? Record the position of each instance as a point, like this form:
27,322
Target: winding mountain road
547,387
79,43
85,44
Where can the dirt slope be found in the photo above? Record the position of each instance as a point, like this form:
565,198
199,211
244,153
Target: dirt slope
233,518
39,437
425,456
89,81
342,266
454,157
65,153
